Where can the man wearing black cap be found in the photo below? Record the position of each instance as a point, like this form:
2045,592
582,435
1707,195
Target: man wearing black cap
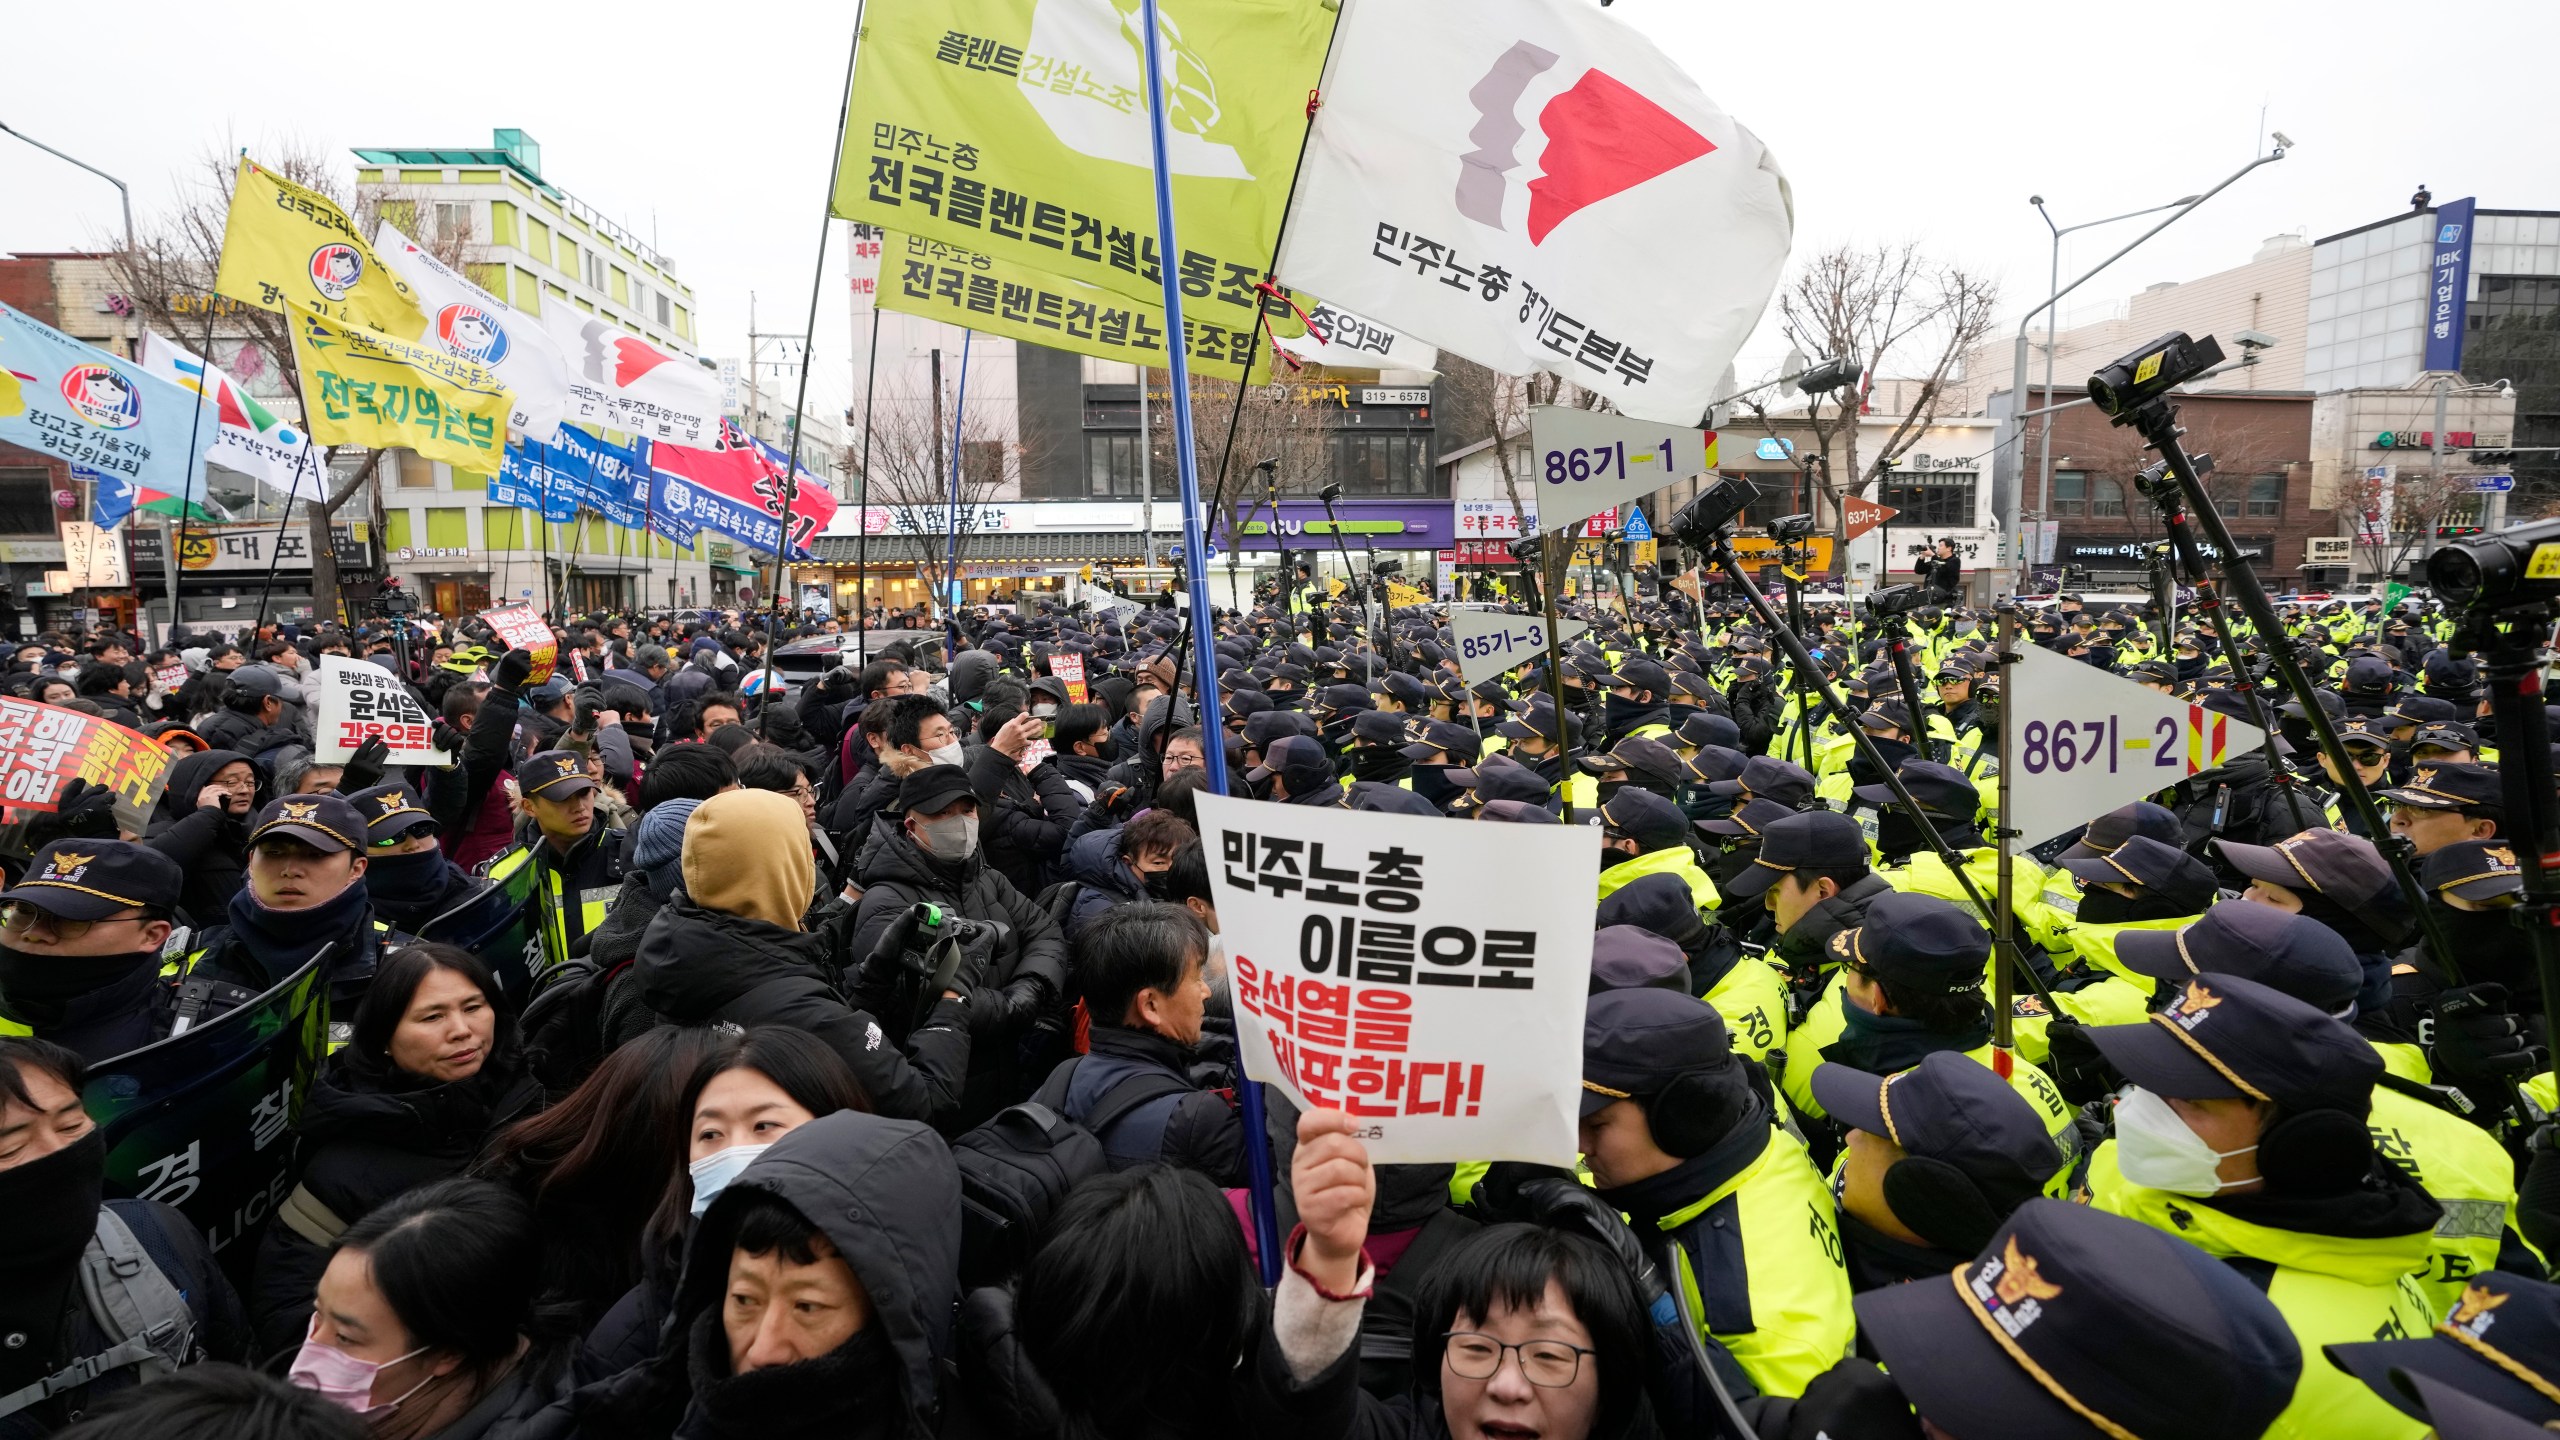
80,939
2440,805
2246,1133
411,883
1952,806
1537,741
1639,692
2073,1325
1908,985
1434,749
1294,771
1677,1131
2497,1347
305,893
1811,873
1938,1156
1642,834
1636,761
1376,751
577,863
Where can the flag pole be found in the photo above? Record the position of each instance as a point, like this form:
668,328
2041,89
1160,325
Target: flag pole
1204,653
951,535
800,405
862,502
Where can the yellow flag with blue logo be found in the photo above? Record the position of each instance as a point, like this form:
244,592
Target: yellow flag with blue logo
360,388
289,248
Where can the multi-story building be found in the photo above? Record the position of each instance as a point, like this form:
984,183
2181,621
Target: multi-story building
535,246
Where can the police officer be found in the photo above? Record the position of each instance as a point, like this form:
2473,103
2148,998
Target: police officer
2497,1349
2073,1325
1538,741
1642,834
577,863
305,894
80,939
2246,1132
1678,1133
1938,1156
2441,804
407,875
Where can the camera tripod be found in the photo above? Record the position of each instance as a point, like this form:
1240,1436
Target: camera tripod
2512,653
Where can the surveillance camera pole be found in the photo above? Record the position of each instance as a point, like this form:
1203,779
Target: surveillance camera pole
2157,423
1722,550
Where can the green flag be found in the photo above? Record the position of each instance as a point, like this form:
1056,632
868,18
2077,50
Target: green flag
2392,595
1018,130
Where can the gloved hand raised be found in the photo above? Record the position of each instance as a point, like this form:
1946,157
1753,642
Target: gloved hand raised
513,669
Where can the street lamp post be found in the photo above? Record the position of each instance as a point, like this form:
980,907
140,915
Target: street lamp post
2018,353
2044,459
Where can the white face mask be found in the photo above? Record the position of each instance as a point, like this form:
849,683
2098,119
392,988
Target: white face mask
945,755
2155,1149
713,1172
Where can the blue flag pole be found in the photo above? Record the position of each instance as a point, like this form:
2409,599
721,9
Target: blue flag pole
1204,653
950,596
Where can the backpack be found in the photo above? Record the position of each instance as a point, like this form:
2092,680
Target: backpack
1017,1168
1057,900
124,1282
563,1024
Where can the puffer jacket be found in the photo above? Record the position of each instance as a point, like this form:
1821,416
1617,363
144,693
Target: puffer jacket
210,845
698,966
363,1137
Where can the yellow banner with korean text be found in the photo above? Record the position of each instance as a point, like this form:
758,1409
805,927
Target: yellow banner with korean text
289,248
360,388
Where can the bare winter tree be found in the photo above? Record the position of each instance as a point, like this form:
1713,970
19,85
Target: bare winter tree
1898,311
1490,403
911,477
168,280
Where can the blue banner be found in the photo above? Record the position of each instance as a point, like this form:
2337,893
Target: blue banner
697,508
111,497
616,477
85,407
2449,283
526,480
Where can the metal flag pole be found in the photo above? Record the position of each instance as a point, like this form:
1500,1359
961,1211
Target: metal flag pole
800,406
1204,653
951,526
862,500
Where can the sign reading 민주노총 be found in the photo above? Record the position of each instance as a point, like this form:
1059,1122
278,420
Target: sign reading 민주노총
1490,644
1536,187
1018,129
2089,741
204,1119
361,701
1375,972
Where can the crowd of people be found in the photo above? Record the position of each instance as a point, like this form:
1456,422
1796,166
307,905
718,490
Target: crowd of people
711,1056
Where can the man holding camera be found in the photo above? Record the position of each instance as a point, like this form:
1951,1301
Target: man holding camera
1941,571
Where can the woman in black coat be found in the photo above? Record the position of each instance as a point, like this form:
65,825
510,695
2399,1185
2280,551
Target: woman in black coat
432,1072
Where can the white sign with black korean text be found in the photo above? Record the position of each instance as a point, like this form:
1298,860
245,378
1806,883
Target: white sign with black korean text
1585,461
361,701
1491,644
1378,968
2088,742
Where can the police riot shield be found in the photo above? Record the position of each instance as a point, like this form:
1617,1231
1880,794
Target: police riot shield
201,1120
498,922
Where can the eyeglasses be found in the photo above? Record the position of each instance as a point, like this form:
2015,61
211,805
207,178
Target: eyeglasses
20,918
805,792
1549,1363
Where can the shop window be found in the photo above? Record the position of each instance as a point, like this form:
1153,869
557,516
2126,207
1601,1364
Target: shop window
1934,497
2070,493
1111,466
2266,497
2106,497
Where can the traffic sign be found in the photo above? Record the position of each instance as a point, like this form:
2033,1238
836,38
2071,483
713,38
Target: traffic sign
1586,461
1638,528
1864,514
1491,643
2088,742
2485,484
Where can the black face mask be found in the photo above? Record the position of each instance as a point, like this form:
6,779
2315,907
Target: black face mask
1623,711
2102,906
1609,788
1377,762
1680,713
2475,932
1431,782
26,975
52,1205
1899,833
2190,666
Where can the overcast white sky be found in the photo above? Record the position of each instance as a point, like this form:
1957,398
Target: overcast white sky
711,126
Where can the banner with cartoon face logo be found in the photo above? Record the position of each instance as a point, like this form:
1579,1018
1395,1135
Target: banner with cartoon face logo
1018,130
289,249
363,388
84,406
470,322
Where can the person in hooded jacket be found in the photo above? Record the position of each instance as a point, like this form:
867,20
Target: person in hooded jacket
202,823
730,948
1114,867
255,718
928,851
433,1070
817,1297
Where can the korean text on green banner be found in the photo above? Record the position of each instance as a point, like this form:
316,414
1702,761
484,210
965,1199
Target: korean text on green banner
1019,129
998,297
521,629
204,1119
1375,972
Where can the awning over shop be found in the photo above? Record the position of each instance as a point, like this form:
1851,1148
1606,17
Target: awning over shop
1060,546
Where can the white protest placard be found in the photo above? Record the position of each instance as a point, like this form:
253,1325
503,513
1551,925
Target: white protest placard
1490,643
1586,462
360,701
2088,742
1375,971
1103,601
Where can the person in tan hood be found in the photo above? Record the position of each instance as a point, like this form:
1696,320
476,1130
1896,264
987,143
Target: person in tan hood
732,947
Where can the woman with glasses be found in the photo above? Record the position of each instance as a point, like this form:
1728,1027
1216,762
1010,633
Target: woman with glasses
202,822
432,1072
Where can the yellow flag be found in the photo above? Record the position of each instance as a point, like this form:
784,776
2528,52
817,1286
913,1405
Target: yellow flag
360,388
290,249
1403,596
